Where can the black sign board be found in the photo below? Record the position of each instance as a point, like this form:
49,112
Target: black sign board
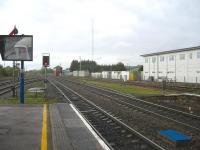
16,47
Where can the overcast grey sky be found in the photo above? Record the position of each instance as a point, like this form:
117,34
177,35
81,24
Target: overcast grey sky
123,29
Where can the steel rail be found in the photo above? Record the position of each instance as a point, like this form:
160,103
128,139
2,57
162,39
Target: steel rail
7,89
114,118
70,102
4,82
145,110
148,111
140,100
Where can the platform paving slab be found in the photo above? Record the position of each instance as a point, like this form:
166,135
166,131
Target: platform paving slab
20,127
68,131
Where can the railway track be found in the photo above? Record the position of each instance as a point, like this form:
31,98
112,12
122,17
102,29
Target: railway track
4,82
117,134
182,121
7,86
146,105
140,101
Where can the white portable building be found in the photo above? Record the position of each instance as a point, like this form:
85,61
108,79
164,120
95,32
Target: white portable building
96,75
75,73
106,74
116,75
125,75
84,73
180,65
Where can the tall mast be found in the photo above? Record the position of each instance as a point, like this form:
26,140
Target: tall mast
92,40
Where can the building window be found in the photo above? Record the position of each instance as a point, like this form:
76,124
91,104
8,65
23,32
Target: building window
153,59
162,58
190,55
198,55
170,72
182,56
171,58
146,60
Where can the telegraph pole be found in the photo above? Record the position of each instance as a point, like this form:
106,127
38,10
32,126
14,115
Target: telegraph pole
92,46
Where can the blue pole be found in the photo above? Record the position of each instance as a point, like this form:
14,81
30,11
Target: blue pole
22,83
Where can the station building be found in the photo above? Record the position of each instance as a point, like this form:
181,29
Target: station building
180,65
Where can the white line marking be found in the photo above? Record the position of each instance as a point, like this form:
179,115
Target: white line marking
101,142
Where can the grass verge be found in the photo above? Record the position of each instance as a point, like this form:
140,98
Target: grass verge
128,89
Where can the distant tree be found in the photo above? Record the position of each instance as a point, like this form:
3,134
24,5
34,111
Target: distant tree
42,70
140,68
7,71
92,66
49,70
1,69
119,67
74,65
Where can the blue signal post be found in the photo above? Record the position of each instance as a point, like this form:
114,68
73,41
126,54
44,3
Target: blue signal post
22,83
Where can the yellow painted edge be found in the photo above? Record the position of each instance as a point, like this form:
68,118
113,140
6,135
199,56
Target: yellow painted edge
44,129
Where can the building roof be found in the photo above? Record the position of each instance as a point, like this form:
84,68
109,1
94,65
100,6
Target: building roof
57,67
171,51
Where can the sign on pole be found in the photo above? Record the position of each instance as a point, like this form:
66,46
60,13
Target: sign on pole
16,47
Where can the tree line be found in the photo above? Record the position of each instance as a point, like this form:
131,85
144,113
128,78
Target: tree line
6,71
92,66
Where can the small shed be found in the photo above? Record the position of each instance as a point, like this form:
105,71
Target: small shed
57,71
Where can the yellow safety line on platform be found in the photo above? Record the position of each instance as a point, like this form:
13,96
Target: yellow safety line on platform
44,129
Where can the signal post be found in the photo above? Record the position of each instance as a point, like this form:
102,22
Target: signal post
45,63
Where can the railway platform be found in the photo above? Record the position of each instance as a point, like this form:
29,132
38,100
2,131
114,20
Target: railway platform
40,127
20,127
69,131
